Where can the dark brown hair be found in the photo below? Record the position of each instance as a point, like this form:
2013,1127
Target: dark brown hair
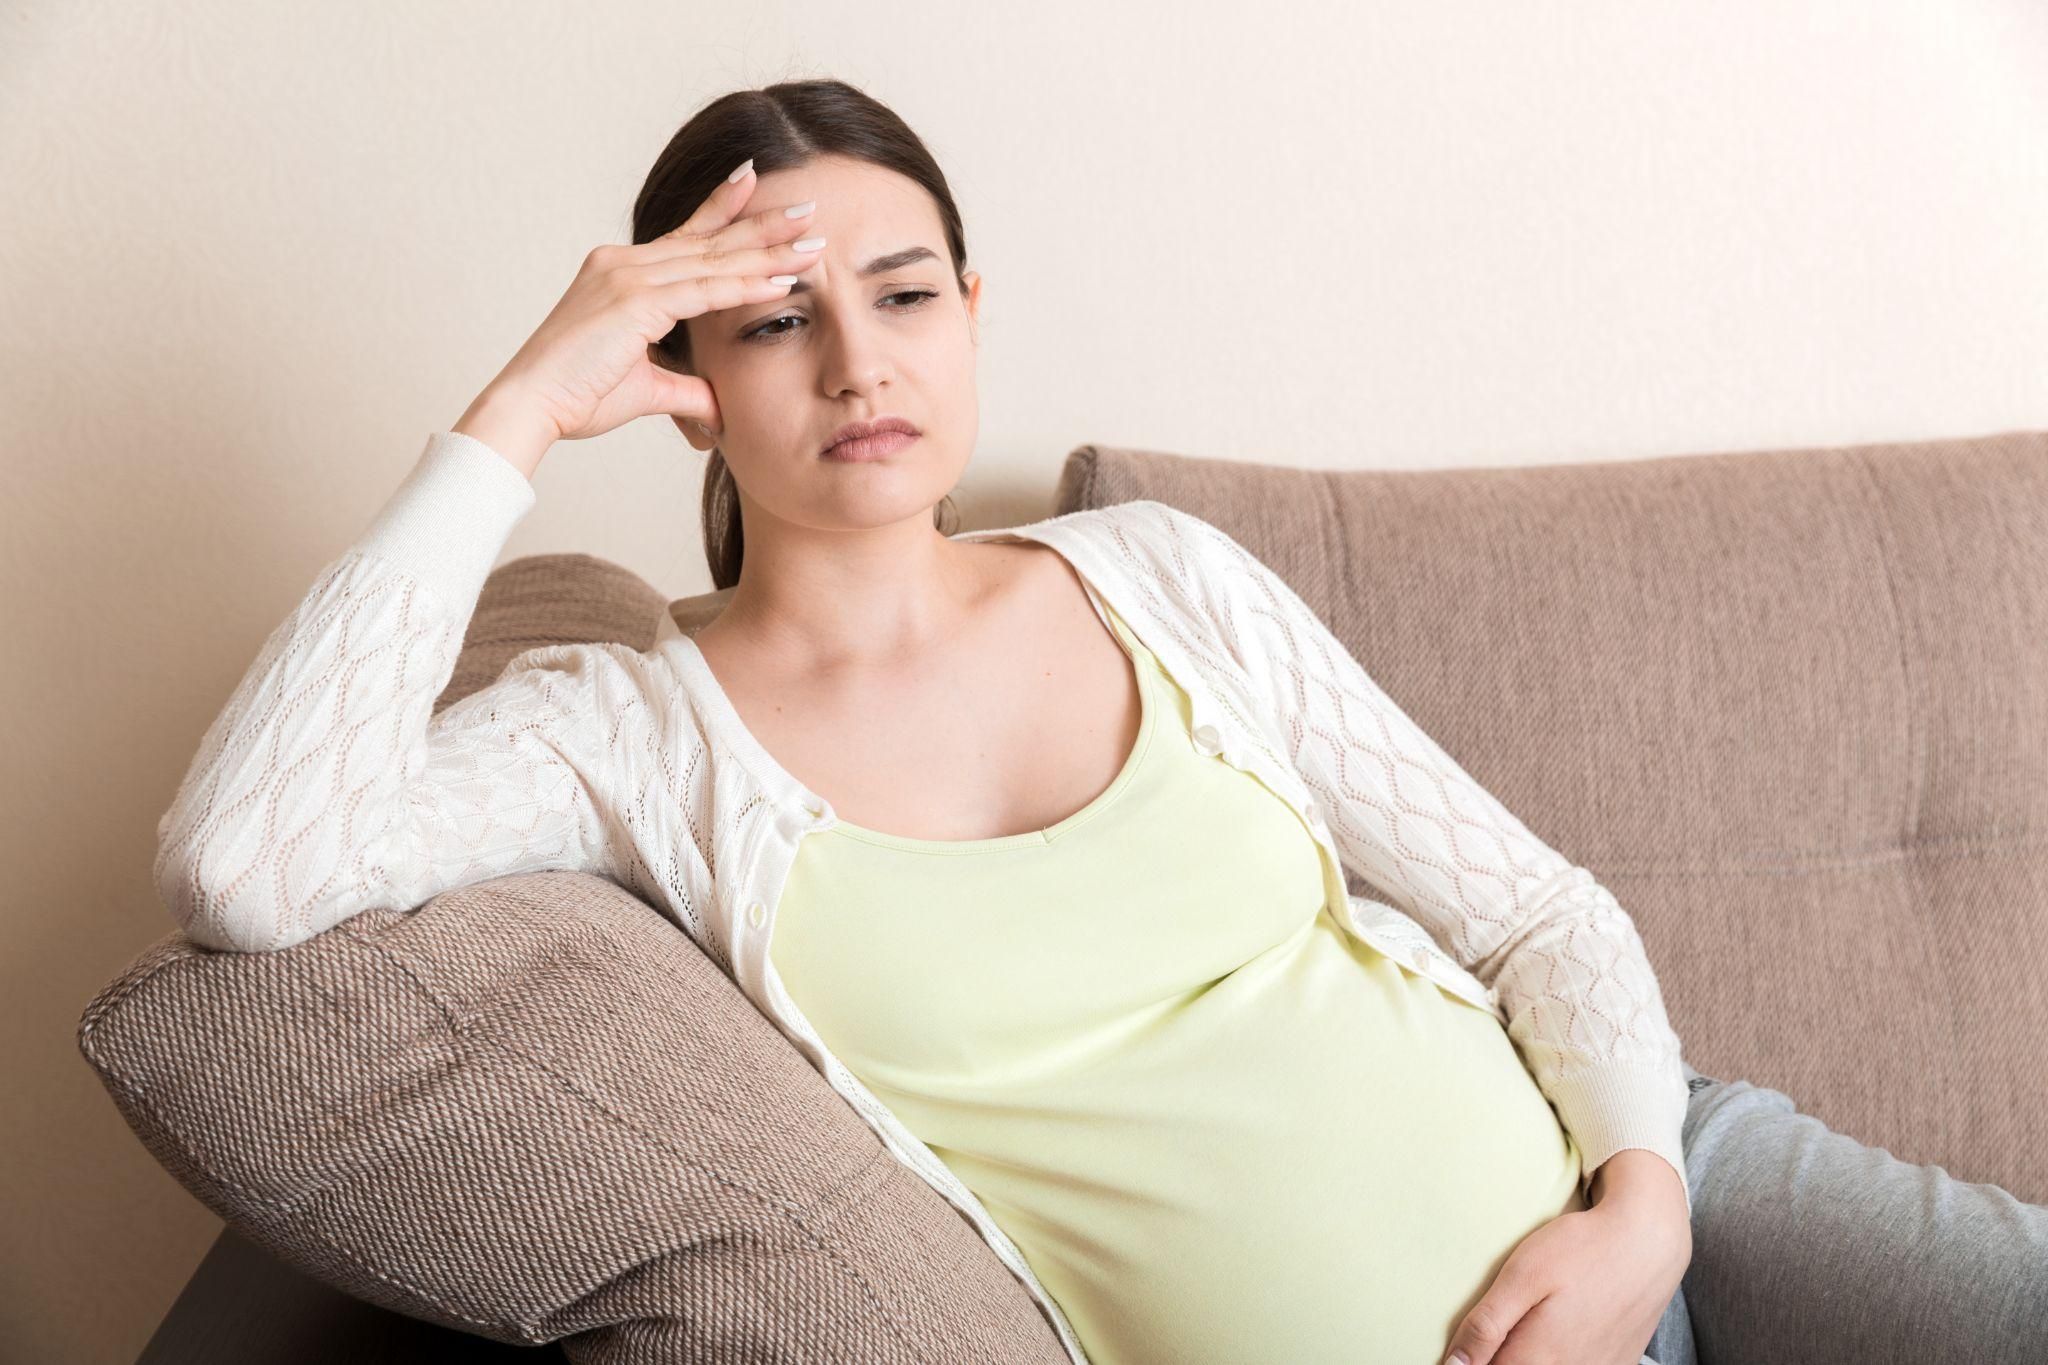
780,126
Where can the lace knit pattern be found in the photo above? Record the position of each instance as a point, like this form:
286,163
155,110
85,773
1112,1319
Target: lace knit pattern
326,786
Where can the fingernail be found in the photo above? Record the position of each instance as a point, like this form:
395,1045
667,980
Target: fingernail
744,167
799,210
1456,1358
809,244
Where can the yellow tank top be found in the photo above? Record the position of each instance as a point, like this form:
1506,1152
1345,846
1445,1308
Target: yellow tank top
1219,1126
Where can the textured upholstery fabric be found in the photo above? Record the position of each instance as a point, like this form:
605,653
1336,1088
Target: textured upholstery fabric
1791,706
533,1110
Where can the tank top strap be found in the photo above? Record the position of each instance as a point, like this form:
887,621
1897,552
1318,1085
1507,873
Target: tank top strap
1117,627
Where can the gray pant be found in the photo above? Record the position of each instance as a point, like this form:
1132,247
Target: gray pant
1810,1248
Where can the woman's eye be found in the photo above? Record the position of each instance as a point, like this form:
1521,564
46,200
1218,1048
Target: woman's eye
768,331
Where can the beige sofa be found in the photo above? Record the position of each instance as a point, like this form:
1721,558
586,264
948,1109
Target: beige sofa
1790,706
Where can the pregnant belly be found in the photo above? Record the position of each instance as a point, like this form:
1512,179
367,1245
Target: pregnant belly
1320,1156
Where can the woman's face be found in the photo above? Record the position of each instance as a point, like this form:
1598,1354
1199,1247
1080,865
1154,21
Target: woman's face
845,346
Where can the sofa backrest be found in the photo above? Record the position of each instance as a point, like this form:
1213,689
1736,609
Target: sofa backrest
1790,706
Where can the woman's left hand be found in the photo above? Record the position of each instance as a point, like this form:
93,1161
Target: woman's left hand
1589,1287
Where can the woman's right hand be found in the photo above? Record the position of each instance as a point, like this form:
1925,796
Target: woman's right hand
588,367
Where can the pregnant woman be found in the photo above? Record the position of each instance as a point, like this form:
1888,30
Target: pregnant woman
1034,841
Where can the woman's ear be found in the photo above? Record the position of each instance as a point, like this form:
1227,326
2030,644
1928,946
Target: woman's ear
693,432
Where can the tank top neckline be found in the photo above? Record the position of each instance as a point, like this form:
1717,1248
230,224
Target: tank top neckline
1149,706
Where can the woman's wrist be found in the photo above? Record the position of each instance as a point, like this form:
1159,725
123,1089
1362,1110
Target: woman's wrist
1633,1174
516,430
1652,1214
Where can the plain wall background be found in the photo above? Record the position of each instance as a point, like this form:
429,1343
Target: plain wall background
252,254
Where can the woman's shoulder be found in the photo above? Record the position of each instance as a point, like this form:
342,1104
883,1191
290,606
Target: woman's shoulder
573,684
1166,545
1158,526
609,658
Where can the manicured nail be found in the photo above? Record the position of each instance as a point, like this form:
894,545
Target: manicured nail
809,244
799,210
782,279
744,167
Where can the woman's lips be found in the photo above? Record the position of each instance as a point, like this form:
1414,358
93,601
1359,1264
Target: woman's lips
882,443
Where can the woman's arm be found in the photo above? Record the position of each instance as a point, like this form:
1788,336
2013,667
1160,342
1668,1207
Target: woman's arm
326,785
1582,1002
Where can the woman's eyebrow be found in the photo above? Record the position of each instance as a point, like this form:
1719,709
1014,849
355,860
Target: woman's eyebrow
881,265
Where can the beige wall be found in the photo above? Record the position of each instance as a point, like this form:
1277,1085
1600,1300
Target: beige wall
252,254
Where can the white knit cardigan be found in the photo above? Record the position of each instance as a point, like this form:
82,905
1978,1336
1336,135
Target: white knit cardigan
327,786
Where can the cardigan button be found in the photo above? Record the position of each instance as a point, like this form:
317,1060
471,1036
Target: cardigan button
1207,740
757,914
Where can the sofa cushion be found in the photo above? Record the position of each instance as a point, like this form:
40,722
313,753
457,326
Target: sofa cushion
535,1111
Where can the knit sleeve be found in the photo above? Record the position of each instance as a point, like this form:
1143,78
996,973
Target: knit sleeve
1583,1006
327,785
